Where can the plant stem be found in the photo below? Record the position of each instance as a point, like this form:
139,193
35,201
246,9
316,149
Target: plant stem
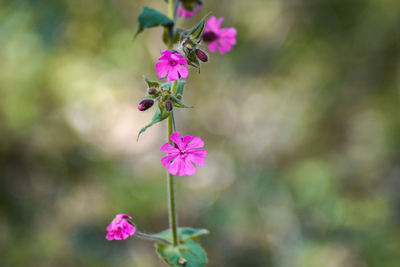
173,224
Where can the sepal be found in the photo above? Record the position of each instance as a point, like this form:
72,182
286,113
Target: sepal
151,83
196,31
178,103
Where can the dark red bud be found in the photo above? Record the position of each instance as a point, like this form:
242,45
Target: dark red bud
168,105
145,104
201,55
151,91
209,37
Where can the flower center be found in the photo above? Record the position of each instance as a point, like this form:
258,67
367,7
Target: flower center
183,152
209,37
172,62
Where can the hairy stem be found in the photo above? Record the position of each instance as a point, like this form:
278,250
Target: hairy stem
173,224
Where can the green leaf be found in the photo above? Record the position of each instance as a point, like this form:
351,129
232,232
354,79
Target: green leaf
152,18
196,31
184,234
151,83
160,115
188,254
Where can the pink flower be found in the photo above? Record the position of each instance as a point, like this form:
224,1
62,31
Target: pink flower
120,228
179,160
173,64
186,13
219,39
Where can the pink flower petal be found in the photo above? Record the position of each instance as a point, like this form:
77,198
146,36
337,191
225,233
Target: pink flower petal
186,139
213,46
187,167
110,236
168,148
175,56
183,71
182,61
166,160
162,68
212,25
173,74
166,54
198,156
174,166
186,13
176,138
197,142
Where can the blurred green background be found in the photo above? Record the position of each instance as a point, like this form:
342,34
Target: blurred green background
301,123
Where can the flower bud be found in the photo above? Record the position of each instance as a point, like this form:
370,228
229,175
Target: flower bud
145,104
182,261
209,37
151,91
201,55
168,105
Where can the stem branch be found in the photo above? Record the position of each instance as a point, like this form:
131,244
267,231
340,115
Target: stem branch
151,237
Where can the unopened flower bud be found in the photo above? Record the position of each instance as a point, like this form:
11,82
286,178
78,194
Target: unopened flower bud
209,37
201,55
151,91
168,105
145,104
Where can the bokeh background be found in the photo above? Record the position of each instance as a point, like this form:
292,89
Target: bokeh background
301,123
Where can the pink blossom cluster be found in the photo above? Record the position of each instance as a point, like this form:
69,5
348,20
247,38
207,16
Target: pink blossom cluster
120,228
173,65
180,157
221,39
186,13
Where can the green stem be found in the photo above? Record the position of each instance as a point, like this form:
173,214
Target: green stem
173,223
171,16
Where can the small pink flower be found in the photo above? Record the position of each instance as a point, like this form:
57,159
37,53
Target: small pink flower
173,64
186,13
179,160
221,39
120,228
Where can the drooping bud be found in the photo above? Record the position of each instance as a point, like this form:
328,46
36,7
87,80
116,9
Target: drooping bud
151,91
201,55
209,37
145,104
168,105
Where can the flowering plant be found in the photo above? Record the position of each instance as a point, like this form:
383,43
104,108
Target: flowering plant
176,246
